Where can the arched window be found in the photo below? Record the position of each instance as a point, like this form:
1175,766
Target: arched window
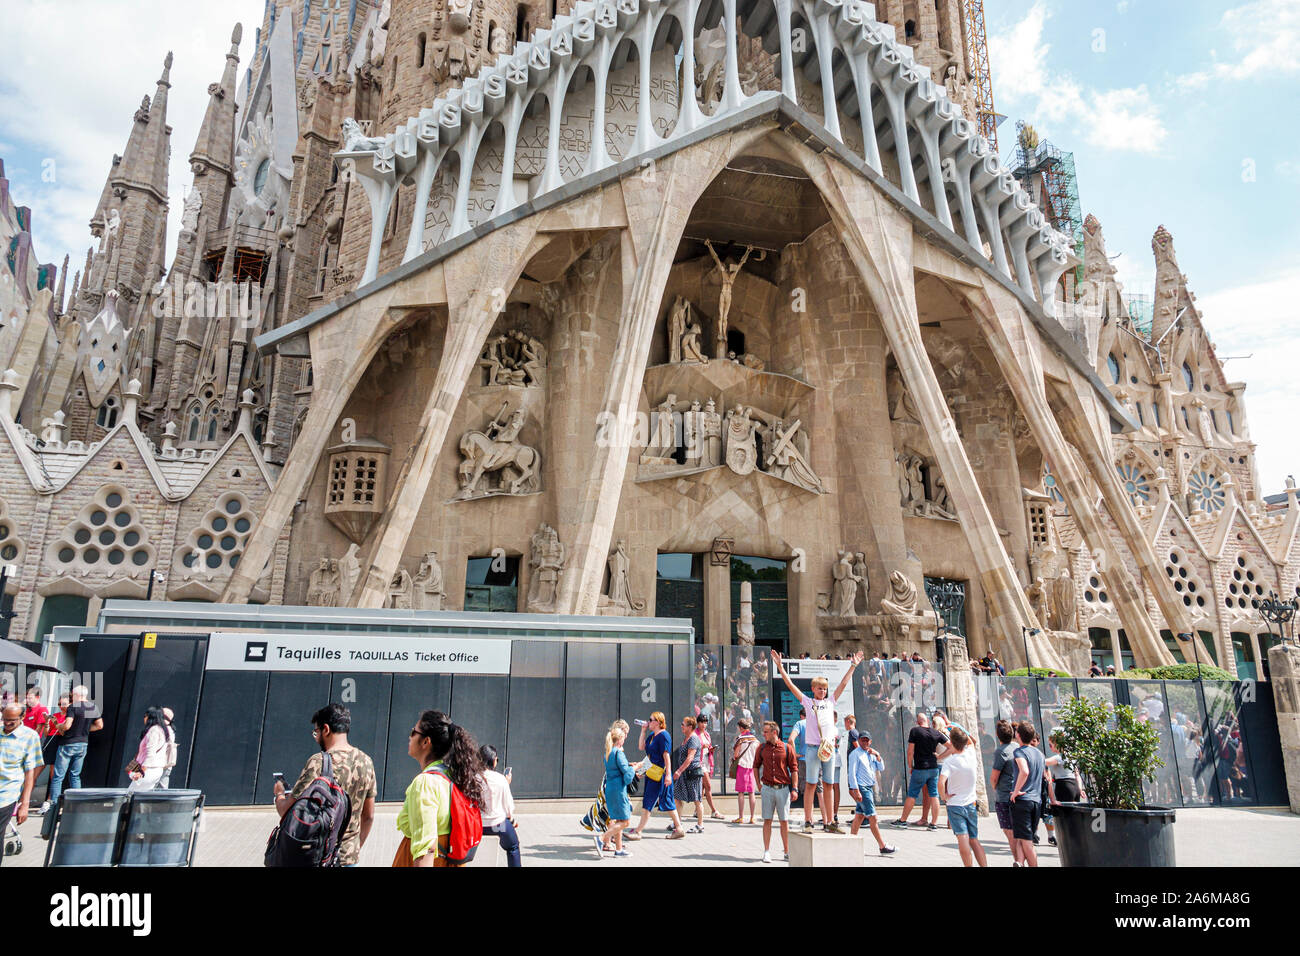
1188,377
195,414
1112,365
909,29
212,423
420,44
521,23
107,414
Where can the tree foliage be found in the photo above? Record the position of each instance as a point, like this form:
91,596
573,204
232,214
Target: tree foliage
1113,751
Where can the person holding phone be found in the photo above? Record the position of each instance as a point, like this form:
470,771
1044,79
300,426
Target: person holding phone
498,809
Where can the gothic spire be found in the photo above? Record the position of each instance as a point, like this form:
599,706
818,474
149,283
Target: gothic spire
213,156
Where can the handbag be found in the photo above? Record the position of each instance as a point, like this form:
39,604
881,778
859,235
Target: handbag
654,772
134,767
403,855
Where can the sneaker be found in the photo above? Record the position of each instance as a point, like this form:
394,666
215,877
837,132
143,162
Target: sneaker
767,857
695,829
600,846
901,824
45,808
1051,840
807,826
886,850
787,857
622,854
677,835
832,827
932,826
631,835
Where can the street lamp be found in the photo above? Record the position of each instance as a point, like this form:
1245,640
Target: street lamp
1185,636
947,598
1025,634
1276,611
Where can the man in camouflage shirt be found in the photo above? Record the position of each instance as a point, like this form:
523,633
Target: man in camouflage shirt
353,770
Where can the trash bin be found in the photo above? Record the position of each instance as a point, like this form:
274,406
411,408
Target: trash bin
161,828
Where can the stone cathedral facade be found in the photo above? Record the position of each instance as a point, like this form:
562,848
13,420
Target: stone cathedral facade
623,307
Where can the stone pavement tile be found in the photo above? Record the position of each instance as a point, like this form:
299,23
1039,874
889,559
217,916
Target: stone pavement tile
1221,837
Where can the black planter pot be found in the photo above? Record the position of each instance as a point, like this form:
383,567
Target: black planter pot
1090,836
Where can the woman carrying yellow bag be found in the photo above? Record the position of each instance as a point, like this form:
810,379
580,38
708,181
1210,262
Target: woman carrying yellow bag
658,749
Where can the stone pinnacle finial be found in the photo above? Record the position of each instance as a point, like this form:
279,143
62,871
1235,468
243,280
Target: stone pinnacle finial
237,34
165,79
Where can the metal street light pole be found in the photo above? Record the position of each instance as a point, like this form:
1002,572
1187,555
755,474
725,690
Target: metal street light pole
1276,611
1186,636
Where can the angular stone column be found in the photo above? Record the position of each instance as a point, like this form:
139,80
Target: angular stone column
479,281
963,705
1284,675
879,239
999,318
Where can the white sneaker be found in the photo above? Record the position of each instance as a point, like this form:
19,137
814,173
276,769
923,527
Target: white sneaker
767,856
45,808
787,858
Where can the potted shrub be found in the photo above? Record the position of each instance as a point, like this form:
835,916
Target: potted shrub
1114,753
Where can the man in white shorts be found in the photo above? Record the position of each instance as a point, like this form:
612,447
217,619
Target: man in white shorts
819,712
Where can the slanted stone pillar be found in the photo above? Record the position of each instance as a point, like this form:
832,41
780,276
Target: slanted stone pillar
963,705
1284,675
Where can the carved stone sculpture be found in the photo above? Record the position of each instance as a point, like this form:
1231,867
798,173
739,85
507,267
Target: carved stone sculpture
349,573
786,460
727,273
1036,594
691,350
190,214
399,591
618,596
497,451
459,13
1065,617
499,41
742,451
546,561
429,591
355,141
677,328
902,595
846,586
323,586
860,570
711,435
941,505
514,358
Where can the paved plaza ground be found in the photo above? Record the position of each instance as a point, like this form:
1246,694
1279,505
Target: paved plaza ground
550,835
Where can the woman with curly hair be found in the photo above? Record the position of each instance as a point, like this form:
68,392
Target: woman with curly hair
447,753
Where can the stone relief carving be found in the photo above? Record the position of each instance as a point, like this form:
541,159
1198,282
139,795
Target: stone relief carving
1036,594
354,140
742,450
727,272
1065,610
860,569
546,559
913,497
323,586
495,462
691,349
429,592
618,598
399,590
847,581
190,214
902,595
515,358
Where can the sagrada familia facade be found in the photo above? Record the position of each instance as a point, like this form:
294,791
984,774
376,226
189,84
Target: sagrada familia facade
479,304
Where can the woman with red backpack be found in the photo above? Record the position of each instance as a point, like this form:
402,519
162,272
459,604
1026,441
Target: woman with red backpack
440,820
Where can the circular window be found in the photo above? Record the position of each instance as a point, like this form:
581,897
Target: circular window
131,539
4,531
116,556
228,543
188,560
113,500
234,560
9,552
90,556
233,507
140,558
122,519
205,541
214,561
66,555
242,524
218,523
97,518
82,536
107,537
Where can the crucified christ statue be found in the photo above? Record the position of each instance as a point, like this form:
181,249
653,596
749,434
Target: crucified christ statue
727,273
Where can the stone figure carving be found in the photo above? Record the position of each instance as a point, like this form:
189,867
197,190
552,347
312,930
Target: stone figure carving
349,573
356,141
323,586
618,596
742,451
514,358
190,214
750,360
710,436
692,421
745,622
677,328
911,484
429,591
459,13
786,460
399,591
846,586
941,505
1036,594
497,449
902,595
546,559
1203,421
1064,617
860,569
727,273
665,436
691,350
901,408
499,41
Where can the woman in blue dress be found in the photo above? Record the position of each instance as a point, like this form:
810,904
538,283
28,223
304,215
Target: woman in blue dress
618,776
658,746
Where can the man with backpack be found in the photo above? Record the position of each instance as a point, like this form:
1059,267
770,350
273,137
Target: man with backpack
350,771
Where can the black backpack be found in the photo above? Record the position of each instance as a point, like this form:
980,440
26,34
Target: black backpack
311,830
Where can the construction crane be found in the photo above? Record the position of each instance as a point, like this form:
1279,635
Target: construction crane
981,78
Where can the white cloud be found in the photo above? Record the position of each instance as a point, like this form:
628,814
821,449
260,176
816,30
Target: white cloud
1262,319
1263,35
68,93
1122,118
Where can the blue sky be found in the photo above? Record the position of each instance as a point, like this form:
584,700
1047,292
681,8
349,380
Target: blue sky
1165,109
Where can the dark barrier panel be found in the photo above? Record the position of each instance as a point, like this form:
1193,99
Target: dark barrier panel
412,693
286,733
590,706
1259,727
480,704
367,697
102,665
169,674
536,717
228,737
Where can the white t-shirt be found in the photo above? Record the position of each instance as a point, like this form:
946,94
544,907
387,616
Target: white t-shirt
498,802
813,710
960,771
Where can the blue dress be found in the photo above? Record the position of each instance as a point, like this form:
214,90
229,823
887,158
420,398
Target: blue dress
658,793
618,776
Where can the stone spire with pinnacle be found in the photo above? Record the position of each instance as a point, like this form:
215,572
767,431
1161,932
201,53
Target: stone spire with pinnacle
213,157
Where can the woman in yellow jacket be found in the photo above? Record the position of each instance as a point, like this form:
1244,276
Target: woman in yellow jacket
425,818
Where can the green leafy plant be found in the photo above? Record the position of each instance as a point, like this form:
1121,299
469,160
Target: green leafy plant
1176,672
1113,751
1038,672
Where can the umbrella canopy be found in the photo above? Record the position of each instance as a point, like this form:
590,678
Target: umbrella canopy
15,654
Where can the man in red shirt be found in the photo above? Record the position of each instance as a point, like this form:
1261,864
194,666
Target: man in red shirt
37,715
778,771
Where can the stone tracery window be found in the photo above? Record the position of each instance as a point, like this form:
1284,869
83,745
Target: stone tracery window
1112,365
1136,485
1188,378
106,534
217,542
1205,492
1246,587
1186,583
1050,486
11,546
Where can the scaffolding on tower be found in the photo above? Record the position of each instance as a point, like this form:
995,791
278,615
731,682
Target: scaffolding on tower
981,78
1058,195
